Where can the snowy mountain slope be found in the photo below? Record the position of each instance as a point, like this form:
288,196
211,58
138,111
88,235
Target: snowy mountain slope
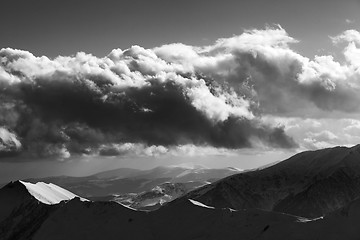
190,219
76,219
48,193
309,184
17,193
25,206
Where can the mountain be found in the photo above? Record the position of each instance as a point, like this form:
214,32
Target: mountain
48,193
175,174
124,180
340,224
156,197
322,186
309,184
25,206
188,220
117,173
75,219
94,187
16,193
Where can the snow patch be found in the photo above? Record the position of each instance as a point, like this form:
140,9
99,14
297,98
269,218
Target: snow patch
305,220
200,204
128,207
235,169
49,193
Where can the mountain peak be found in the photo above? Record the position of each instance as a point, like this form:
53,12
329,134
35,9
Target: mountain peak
356,147
189,165
322,161
48,193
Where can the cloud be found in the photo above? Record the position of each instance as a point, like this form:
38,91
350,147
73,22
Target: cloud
173,95
347,36
138,149
9,143
79,104
312,133
260,65
286,83
321,139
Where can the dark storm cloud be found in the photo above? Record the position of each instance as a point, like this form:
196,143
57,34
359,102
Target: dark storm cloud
65,116
168,96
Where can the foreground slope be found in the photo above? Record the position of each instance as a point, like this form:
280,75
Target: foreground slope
340,224
25,206
190,219
17,193
11,196
309,184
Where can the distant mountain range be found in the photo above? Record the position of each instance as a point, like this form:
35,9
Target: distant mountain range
154,198
145,189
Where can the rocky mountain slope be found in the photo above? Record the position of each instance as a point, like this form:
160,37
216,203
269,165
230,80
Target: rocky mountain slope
311,196
309,184
75,219
25,206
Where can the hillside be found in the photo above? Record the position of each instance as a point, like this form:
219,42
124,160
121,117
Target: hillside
309,184
183,220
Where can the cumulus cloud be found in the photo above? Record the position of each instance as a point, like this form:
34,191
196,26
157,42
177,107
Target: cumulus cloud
9,143
138,149
261,65
319,133
173,95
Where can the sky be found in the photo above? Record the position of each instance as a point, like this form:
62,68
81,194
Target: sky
87,86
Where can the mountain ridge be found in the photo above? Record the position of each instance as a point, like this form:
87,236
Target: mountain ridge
272,188
75,219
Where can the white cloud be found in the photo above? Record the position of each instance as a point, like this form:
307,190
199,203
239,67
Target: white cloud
319,133
255,79
8,141
138,149
351,35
